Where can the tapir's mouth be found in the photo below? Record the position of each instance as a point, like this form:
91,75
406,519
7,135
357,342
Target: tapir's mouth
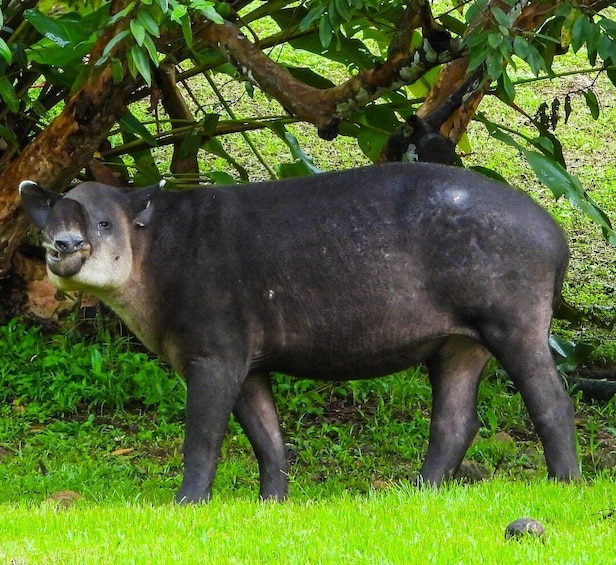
66,265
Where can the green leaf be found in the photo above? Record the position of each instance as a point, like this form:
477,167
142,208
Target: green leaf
606,48
611,74
464,145
506,86
310,77
202,129
207,9
561,183
80,78
112,43
310,18
121,14
342,7
325,32
220,177
5,52
453,24
178,13
141,63
117,71
296,151
495,39
214,146
147,168
8,94
347,51
290,170
190,144
371,142
148,22
489,173
8,136
65,31
520,47
552,174
592,103
501,17
138,31
579,31
187,31
535,61
129,123
151,49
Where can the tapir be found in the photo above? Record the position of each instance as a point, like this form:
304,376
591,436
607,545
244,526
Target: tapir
344,275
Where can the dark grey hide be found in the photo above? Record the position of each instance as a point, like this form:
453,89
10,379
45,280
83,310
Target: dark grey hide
346,275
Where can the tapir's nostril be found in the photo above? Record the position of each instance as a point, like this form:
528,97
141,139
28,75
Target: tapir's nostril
69,243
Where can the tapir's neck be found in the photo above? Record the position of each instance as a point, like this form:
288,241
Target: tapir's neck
133,304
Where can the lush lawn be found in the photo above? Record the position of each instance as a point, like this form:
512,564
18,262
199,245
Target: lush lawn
353,446
399,525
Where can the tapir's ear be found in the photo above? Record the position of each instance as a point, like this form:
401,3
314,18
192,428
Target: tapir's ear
141,202
37,201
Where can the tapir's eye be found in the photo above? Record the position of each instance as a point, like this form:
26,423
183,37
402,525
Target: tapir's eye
104,225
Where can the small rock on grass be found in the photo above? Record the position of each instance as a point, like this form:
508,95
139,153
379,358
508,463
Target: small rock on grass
471,472
524,528
63,498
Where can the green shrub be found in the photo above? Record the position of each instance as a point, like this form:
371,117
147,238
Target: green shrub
58,374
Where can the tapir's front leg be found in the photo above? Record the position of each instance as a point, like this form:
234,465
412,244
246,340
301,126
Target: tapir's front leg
213,386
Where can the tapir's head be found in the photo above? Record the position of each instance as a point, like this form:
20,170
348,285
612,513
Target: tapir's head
88,233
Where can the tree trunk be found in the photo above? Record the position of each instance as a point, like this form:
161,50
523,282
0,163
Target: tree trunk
59,152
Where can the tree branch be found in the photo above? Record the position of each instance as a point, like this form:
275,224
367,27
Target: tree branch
453,75
326,108
177,109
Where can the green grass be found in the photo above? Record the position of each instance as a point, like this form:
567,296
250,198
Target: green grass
350,437
454,525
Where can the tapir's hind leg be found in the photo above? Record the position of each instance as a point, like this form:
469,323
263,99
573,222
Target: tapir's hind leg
255,410
454,374
525,354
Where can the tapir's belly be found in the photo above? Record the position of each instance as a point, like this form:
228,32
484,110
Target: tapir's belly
338,362
357,348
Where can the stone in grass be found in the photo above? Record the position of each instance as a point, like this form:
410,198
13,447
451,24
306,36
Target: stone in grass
524,528
63,499
471,472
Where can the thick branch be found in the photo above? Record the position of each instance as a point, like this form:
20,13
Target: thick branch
177,109
325,108
417,13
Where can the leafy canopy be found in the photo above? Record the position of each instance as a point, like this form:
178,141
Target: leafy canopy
358,68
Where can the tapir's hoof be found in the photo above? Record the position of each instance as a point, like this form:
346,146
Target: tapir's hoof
186,498
422,483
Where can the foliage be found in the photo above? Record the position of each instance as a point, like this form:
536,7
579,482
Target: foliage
45,375
354,67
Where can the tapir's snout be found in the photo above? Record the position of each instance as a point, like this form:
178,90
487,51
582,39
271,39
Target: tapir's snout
65,240
66,253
